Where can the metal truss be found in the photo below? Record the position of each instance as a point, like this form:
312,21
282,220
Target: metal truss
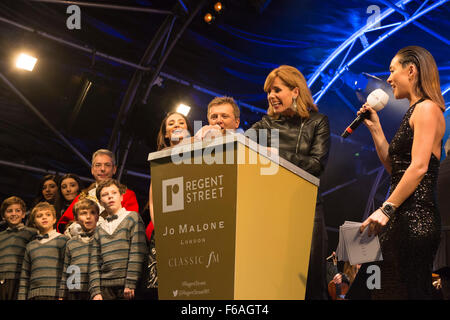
109,6
348,60
348,45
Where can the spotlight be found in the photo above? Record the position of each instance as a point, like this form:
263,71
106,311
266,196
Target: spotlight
218,7
183,109
25,61
209,18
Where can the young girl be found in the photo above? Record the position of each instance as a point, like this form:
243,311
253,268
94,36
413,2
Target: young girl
69,186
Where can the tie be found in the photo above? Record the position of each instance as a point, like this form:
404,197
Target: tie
86,234
111,218
40,237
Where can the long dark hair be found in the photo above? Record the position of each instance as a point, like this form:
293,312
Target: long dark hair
427,83
164,142
64,177
40,197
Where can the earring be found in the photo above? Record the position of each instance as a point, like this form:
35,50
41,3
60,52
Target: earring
294,104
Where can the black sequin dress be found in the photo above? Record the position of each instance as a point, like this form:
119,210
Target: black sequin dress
410,239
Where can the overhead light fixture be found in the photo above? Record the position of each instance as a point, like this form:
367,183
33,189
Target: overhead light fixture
209,18
25,61
183,109
218,7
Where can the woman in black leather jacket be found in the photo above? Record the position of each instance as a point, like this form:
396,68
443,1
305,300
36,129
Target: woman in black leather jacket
304,140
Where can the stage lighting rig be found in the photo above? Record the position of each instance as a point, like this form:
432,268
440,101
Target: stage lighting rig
26,62
215,9
209,18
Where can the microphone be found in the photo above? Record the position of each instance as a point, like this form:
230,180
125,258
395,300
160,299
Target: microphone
377,99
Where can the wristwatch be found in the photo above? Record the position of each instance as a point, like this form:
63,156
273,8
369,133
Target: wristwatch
388,209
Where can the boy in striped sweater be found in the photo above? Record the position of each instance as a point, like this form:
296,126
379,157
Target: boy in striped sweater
75,277
13,242
42,265
118,249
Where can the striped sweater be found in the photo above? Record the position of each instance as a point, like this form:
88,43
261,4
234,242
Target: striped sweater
77,254
117,258
12,250
42,268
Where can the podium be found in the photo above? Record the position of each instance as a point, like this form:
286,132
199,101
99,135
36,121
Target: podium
231,222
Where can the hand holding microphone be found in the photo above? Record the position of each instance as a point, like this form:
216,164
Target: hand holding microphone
376,101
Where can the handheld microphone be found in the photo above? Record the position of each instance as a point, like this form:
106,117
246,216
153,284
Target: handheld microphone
377,99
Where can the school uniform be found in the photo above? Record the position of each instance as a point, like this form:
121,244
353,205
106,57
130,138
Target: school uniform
13,242
118,252
42,267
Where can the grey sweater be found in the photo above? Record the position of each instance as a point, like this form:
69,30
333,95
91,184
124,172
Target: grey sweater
12,250
77,254
117,258
42,268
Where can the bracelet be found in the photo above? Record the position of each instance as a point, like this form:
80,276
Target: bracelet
385,213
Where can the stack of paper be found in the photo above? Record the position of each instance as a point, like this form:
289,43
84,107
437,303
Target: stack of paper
356,247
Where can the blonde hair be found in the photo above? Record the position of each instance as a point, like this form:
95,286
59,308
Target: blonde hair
447,147
427,83
292,78
41,206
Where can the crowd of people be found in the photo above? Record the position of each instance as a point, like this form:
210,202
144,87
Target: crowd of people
100,230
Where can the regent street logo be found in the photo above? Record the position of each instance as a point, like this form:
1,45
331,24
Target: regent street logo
176,192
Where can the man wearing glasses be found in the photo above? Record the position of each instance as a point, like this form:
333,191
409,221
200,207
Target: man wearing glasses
103,167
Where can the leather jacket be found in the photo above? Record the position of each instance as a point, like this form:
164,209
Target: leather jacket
304,142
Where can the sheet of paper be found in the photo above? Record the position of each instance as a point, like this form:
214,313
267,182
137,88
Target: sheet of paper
357,248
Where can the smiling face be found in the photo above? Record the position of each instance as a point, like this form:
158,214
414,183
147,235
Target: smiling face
400,78
111,198
103,167
69,189
49,190
44,221
14,215
280,97
176,128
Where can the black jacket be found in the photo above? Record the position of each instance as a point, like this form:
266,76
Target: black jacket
303,142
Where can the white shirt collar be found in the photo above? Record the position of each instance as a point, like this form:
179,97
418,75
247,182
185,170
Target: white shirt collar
111,226
51,235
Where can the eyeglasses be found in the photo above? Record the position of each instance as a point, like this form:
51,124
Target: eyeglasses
107,165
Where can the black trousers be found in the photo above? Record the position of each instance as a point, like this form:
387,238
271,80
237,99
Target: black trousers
8,289
316,285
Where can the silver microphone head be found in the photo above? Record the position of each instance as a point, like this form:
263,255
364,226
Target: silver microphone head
378,99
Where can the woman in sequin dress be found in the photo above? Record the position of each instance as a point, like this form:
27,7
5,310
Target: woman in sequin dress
409,221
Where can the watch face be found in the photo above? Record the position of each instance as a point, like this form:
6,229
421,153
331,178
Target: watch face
388,208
